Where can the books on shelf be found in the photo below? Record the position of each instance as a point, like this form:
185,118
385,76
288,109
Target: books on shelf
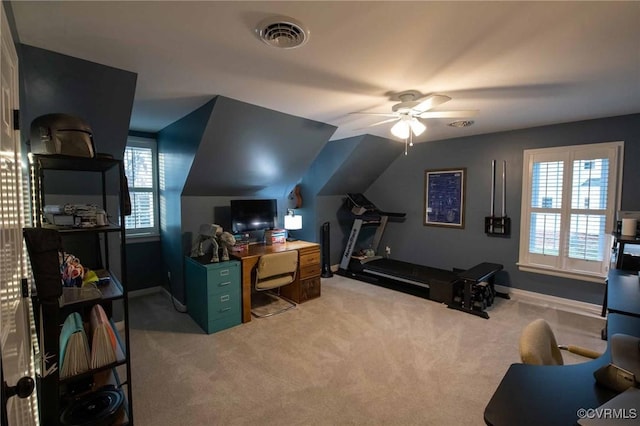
76,354
74,347
103,342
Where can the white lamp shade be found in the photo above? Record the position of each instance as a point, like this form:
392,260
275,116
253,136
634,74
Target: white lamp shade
417,127
401,129
293,222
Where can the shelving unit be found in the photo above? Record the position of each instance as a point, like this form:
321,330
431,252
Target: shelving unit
57,394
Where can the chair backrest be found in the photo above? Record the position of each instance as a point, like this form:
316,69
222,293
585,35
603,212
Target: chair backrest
538,345
276,269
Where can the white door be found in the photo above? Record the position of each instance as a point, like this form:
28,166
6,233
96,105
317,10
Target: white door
15,324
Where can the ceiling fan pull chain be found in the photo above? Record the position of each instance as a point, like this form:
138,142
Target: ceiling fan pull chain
405,145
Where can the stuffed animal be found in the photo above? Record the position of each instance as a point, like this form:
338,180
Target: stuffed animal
72,271
225,240
220,241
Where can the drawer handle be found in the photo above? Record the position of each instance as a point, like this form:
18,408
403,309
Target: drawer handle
225,309
224,283
224,272
224,298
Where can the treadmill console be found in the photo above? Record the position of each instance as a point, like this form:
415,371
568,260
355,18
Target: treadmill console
360,201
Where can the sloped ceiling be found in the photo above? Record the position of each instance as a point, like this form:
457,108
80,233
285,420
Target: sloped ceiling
364,164
247,150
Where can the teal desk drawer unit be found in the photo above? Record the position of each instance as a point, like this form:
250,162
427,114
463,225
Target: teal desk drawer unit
214,299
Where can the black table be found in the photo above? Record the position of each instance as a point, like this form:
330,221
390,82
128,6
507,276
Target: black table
552,395
621,242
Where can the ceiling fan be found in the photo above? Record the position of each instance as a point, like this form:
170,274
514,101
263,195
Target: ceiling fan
411,110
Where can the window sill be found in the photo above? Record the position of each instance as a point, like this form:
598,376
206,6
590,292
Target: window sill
564,274
145,238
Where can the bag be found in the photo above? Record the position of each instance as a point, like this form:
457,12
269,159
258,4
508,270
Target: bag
44,247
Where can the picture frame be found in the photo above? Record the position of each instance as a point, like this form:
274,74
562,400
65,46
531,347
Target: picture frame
444,197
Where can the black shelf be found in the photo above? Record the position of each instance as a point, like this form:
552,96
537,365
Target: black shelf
69,163
94,229
55,391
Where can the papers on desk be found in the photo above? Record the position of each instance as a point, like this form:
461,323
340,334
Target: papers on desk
623,410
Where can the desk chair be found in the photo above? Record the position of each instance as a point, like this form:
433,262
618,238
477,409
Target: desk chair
274,270
538,346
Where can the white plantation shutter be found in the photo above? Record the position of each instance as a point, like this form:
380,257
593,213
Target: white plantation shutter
588,209
140,169
568,208
546,202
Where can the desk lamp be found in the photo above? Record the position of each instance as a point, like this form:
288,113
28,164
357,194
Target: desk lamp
292,221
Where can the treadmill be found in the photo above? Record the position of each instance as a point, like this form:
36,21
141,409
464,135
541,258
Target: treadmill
456,289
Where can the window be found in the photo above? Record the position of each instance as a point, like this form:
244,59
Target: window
569,199
140,169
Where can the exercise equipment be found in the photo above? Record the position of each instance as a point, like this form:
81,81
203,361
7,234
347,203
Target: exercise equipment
470,291
498,226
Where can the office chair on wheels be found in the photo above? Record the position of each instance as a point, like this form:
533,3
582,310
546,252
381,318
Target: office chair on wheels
274,271
538,346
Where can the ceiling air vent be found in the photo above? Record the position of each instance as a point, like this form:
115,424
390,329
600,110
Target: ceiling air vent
461,123
282,32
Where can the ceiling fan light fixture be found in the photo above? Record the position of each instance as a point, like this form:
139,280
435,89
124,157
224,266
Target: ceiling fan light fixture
401,129
417,127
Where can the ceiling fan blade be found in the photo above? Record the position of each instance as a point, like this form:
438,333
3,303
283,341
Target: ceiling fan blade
431,102
383,122
449,114
382,114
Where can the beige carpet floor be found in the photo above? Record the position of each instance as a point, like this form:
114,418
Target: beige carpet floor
358,355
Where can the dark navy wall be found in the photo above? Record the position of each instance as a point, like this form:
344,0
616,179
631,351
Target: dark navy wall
103,96
401,187
346,165
177,146
251,151
143,265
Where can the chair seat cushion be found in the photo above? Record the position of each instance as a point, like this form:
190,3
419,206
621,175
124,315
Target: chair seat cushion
273,282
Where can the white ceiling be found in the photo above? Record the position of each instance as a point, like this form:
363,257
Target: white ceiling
521,64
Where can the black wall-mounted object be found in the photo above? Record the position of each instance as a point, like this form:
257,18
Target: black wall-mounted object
497,226
326,251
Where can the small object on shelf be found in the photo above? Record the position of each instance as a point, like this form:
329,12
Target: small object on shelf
103,340
74,347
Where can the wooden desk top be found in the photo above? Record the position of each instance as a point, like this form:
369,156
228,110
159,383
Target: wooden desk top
256,250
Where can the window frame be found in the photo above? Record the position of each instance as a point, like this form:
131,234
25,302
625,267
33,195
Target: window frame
138,234
563,265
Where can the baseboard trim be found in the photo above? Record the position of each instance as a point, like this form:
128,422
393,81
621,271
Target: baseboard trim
179,306
545,300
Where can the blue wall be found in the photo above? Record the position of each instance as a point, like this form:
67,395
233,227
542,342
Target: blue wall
103,96
401,187
177,146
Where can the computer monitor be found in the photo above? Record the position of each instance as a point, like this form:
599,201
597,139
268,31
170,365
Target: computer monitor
253,215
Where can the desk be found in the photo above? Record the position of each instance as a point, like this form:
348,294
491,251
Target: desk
307,283
551,395
623,292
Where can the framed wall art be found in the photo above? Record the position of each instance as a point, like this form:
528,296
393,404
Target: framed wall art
444,197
